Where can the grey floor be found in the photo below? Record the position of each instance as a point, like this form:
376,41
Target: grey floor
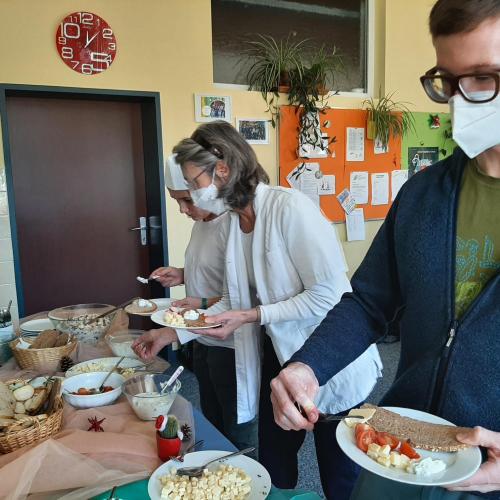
308,468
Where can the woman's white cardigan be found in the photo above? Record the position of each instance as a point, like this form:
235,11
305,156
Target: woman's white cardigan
300,274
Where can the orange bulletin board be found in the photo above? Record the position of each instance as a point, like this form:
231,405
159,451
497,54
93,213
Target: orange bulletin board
336,164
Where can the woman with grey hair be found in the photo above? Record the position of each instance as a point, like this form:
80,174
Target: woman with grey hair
284,270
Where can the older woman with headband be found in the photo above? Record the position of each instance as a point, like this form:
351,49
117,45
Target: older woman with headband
203,275
284,270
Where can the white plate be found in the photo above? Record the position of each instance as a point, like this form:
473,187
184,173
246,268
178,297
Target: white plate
261,481
37,325
128,310
158,316
103,364
459,465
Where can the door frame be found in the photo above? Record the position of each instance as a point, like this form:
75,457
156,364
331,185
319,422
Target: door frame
152,147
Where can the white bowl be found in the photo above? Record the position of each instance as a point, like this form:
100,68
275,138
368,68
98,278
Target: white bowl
92,381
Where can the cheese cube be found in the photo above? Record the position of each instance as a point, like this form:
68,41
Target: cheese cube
384,460
385,451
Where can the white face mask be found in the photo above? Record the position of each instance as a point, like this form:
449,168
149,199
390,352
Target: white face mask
207,199
475,126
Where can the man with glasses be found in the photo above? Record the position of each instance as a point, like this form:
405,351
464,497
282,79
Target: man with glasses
436,258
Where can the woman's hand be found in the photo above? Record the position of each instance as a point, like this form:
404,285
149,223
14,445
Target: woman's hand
230,320
487,478
149,344
188,303
168,276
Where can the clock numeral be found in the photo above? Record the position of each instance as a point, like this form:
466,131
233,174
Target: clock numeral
101,58
75,64
61,40
87,69
76,34
67,53
86,18
111,46
107,33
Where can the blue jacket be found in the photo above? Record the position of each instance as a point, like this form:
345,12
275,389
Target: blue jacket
448,368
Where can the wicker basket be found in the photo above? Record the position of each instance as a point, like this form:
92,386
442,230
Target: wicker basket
32,430
43,360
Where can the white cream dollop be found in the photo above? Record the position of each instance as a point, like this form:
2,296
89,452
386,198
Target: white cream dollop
428,466
191,315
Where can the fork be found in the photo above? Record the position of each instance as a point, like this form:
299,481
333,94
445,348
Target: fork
198,471
327,417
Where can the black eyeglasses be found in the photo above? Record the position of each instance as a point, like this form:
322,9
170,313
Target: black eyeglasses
474,87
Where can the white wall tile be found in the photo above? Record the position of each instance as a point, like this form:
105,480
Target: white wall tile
7,292
7,276
6,249
4,226
4,207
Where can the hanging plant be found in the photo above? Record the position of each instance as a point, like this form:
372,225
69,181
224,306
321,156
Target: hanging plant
387,118
273,62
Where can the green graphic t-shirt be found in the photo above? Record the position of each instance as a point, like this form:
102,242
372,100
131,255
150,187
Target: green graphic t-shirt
478,235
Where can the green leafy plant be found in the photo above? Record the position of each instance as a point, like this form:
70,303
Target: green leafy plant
387,117
273,62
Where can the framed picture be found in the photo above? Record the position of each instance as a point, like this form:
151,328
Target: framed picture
254,130
210,107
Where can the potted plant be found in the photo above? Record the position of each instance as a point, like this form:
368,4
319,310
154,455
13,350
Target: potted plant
168,436
308,93
272,64
386,118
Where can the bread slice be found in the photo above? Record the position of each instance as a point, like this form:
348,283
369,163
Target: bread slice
422,435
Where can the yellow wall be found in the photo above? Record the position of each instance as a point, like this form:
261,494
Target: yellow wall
165,46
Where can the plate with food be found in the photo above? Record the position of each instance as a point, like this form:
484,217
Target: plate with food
141,307
408,446
127,368
241,476
184,319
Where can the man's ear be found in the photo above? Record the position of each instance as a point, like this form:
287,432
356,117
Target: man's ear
222,170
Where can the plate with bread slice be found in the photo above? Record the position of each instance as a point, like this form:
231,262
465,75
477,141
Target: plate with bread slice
408,446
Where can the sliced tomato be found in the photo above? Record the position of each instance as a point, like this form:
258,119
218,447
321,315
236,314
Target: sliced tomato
365,438
384,438
408,450
361,428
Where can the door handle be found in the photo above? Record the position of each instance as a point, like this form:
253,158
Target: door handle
143,226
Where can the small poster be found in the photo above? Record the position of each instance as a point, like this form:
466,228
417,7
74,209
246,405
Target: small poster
355,225
420,158
379,148
398,178
380,189
359,187
326,185
355,150
347,201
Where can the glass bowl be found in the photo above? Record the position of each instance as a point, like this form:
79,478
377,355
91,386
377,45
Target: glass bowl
143,395
121,342
72,319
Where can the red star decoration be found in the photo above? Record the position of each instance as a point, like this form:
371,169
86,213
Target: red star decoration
95,425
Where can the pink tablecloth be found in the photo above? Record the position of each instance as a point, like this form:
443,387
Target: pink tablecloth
76,464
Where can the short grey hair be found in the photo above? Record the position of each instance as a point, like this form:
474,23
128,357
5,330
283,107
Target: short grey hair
220,141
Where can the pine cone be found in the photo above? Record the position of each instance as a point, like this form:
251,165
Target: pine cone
186,431
66,363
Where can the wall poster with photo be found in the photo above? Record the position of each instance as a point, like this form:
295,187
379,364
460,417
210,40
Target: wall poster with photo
210,107
254,130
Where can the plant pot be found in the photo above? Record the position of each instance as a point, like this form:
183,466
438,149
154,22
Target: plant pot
167,448
370,130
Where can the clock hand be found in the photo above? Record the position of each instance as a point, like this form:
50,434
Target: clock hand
88,41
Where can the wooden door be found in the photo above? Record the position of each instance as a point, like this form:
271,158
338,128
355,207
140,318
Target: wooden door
79,186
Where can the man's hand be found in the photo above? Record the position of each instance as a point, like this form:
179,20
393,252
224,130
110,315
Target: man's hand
150,343
230,320
295,384
168,276
188,303
487,478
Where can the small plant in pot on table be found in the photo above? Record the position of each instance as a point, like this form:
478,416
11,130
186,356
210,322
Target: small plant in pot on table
168,436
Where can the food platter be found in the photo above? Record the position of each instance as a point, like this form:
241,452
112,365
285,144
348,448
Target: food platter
260,479
105,364
159,318
459,465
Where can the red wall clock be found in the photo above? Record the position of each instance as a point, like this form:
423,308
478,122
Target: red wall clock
86,43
